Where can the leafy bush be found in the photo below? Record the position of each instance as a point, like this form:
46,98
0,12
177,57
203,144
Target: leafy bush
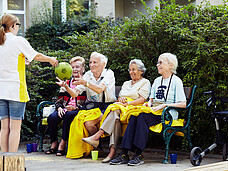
196,34
44,36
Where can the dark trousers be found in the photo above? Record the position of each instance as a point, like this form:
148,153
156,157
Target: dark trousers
54,120
136,134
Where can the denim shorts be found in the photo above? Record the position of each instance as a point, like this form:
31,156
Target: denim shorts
12,109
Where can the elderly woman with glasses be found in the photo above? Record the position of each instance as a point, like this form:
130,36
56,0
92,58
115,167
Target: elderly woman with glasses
167,90
136,89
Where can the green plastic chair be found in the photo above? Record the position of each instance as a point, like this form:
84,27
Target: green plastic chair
168,130
42,122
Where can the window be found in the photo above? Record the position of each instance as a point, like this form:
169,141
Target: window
16,7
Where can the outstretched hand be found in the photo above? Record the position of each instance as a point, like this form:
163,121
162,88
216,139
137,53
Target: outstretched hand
54,62
79,81
61,82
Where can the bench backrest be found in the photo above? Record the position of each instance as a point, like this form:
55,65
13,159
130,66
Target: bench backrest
117,90
187,91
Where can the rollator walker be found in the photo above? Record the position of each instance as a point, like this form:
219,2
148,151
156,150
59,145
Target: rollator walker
196,154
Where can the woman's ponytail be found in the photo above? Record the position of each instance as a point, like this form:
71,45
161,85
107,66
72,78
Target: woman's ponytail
2,35
7,21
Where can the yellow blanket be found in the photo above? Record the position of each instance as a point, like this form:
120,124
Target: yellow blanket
129,110
76,147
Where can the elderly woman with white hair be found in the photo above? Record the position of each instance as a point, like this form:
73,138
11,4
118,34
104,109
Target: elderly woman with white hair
137,89
167,90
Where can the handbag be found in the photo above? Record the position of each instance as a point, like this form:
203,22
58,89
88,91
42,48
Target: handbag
92,105
48,110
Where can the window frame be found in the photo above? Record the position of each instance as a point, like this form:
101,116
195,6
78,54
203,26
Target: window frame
5,10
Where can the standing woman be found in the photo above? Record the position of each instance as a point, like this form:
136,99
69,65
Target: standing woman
13,89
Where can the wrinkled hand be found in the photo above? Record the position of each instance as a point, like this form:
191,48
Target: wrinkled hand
124,104
53,61
79,81
61,83
149,104
61,112
122,99
70,108
159,107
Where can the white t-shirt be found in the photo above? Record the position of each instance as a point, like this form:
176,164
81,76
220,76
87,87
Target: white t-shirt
133,91
12,68
175,94
107,78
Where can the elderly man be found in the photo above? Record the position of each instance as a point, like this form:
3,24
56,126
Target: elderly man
95,82
99,84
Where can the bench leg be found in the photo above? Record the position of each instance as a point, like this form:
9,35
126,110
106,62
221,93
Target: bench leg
41,136
165,161
167,138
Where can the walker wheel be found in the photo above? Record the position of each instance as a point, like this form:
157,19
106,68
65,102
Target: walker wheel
224,151
195,156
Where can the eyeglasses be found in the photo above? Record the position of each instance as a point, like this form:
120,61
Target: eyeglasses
133,70
160,62
76,67
19,24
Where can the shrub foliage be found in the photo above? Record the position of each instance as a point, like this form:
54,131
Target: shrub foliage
198,35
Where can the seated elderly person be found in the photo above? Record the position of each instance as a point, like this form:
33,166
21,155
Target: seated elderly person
167,90
66,109
98,83
138,90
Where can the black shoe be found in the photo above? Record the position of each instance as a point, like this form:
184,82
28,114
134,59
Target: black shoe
136,160
121,159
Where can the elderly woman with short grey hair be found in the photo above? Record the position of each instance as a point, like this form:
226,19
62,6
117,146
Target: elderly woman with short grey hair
138,90
167,90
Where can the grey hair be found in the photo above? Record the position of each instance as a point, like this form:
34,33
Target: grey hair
172,59
139,64
101,56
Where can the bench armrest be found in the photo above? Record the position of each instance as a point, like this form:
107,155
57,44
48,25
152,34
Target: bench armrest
40,107
166,116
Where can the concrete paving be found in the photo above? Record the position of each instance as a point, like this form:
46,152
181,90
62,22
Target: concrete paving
38,161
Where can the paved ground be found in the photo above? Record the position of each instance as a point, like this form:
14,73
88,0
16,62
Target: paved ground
38,161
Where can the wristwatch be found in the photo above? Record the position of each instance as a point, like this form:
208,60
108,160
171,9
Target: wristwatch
87,84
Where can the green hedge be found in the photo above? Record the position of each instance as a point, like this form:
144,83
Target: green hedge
196,34
47,35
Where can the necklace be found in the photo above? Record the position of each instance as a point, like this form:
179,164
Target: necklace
133,82
168,87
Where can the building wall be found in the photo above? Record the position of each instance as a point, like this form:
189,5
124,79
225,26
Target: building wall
212,2
125,8
105,8
30,4
119,9
129,6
